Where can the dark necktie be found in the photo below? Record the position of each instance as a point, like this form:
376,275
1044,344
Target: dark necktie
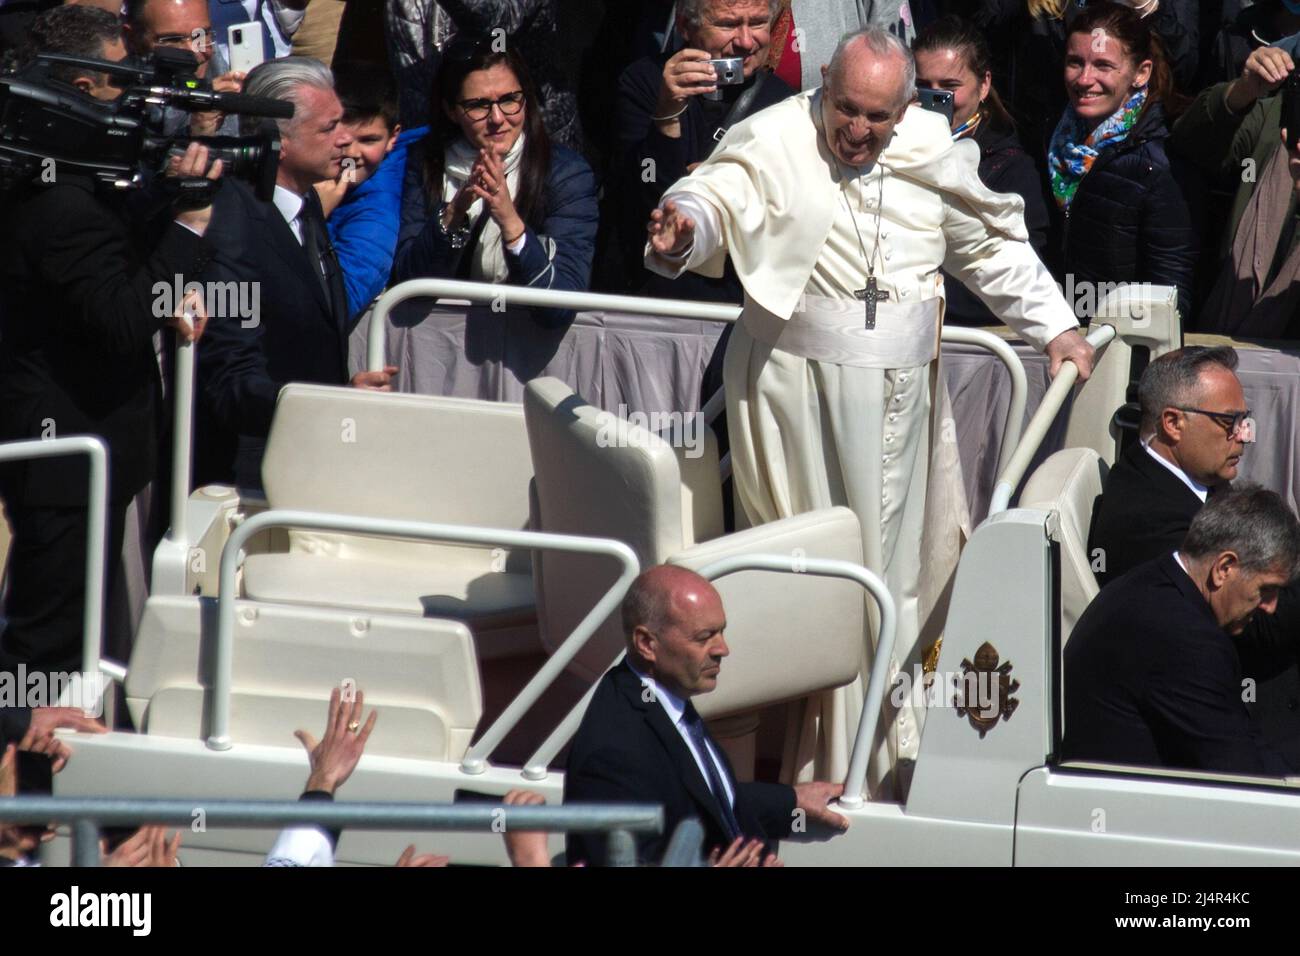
695,727
320,254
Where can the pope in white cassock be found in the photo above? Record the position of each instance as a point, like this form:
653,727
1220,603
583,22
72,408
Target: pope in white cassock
838,208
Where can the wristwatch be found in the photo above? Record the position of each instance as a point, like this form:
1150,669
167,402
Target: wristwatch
457,237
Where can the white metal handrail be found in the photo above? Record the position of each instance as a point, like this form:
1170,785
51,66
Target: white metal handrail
171,556
1036,430
668,308
522,295
96,524
855,780
475,761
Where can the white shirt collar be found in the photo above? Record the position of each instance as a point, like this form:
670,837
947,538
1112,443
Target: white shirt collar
672,704
1198,489
288,202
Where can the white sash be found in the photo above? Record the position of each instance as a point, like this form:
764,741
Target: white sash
834,330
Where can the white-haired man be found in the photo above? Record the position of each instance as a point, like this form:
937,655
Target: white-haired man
838,208
279,259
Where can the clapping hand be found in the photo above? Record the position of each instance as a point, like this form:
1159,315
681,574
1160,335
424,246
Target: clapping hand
487,181
743,853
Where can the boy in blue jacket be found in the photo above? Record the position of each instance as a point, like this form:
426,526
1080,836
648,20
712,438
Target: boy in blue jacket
363,206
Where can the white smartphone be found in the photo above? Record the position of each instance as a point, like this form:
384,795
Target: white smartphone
245,46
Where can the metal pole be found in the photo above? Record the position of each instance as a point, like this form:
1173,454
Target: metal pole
85,842
622,848
855,781
1019,383
182,439
475,761
1036,430
685,846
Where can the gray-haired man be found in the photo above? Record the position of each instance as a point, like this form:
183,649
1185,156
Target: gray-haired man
1153,675
275,260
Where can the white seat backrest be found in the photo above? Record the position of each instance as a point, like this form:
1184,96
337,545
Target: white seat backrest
1070,482
598,475
399,456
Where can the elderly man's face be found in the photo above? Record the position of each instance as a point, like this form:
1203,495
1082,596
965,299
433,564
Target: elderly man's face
732,28
687,651
1204,448
862,105
313,148
1242,593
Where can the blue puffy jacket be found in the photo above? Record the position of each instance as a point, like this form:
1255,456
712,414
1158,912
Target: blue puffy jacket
364,227
557,251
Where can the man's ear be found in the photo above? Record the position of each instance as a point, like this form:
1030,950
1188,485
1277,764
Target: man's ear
1223,568
84,83
644,643
1170,425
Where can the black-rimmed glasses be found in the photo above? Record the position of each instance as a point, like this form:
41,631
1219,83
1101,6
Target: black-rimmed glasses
1232,422
510,104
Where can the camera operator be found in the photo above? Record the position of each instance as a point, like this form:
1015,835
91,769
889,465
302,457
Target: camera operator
184,25
77,320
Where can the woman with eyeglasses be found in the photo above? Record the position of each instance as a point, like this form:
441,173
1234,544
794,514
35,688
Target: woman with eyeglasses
488,197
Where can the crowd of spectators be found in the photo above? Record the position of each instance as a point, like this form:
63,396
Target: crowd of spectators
526,143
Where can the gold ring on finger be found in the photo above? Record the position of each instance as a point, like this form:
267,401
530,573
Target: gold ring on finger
354,726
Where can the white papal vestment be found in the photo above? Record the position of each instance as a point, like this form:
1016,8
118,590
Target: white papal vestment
822,411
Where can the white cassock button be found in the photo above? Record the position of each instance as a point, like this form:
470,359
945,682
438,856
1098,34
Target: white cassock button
889,255
902,377
884,499
903,294
898,399
889,439
884,459
893,416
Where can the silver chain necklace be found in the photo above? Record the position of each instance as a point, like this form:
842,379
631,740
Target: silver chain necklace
870,293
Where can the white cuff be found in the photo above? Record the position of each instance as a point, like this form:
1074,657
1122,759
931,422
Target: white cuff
301,846
516,247
708,237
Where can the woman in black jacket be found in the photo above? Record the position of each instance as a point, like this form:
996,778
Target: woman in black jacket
1125,217
953,55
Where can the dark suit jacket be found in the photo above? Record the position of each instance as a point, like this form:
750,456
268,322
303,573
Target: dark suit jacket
1151,679
298,335
1145,512
77,319
627,750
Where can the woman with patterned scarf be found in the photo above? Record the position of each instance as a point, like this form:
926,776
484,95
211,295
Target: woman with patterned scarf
1125,218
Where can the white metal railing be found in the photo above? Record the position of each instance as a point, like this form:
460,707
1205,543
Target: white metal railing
667,308
475,761
537,765
171,557
96,528
522,295
1014,470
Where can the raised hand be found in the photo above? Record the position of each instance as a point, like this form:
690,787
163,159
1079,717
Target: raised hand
1266,69
339,751
671,233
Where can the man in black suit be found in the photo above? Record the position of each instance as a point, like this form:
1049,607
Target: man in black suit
1152,671
78,314
642,741
277,255
1194,427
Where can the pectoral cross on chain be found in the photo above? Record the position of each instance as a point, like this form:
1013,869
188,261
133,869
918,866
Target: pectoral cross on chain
872,295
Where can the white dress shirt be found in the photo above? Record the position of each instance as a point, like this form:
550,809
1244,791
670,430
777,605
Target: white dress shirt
290,205
675,708
1198,489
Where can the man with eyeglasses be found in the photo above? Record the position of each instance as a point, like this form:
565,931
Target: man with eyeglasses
1195,425
183,25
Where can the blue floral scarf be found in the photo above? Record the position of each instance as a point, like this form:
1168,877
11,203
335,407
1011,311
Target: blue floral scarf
1073,149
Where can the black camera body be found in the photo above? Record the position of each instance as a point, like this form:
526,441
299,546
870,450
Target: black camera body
48,126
